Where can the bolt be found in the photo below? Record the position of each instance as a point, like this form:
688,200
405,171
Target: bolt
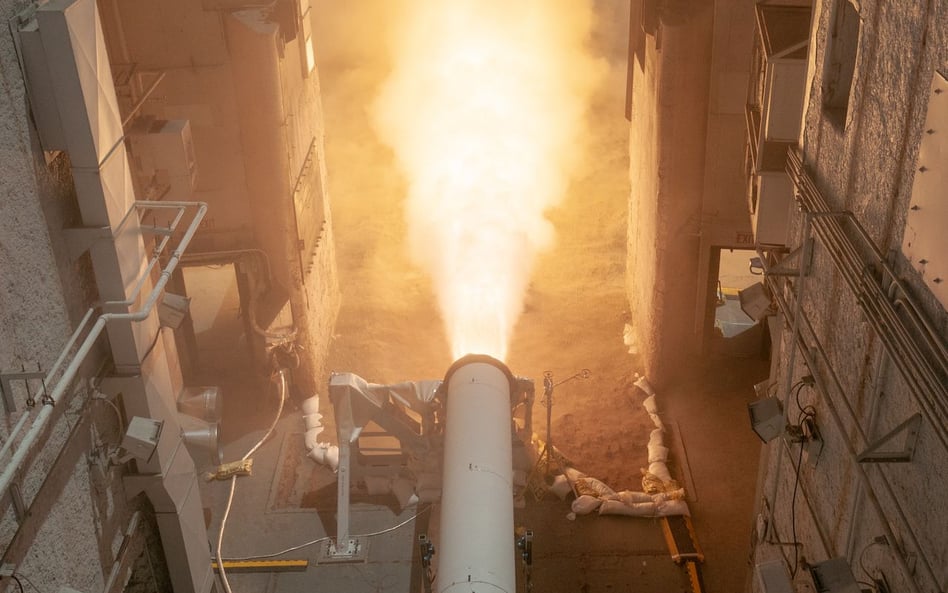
915,207
937,280
923,261
929,131
922,169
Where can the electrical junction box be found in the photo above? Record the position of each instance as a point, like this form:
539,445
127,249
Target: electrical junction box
142,436
772,577
834,576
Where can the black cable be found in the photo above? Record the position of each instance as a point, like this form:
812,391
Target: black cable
153,344
796,394
793,514
30,583
17,581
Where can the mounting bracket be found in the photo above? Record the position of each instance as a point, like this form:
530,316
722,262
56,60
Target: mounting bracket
876,452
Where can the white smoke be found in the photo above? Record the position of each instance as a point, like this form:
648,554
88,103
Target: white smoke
485,110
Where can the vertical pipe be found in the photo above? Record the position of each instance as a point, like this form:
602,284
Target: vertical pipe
342,495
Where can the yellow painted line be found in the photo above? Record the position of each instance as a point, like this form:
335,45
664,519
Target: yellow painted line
263,565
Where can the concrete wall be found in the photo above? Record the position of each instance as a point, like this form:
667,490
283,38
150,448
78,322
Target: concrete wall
77,510
240,77
669,105
724,216
865,164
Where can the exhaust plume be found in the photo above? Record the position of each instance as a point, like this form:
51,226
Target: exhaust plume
485,108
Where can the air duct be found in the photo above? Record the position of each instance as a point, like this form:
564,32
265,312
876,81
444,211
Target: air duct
202,439
204,403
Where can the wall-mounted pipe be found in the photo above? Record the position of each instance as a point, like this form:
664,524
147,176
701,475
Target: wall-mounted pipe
922,358
860,470
43,417
151,264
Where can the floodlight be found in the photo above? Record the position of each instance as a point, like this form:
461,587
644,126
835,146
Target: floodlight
834,576
766,416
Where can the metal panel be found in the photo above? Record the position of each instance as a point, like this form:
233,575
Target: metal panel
774,199
82,80
925,242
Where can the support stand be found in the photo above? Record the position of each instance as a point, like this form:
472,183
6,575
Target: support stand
549,460
345,547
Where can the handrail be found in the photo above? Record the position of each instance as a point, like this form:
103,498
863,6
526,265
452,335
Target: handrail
43,417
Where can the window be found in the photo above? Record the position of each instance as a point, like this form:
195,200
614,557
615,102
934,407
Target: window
840,63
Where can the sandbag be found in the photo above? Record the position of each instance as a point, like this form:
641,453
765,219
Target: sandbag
311,439
632,497
585,504
314,420
676,494
645,386
650,405
310,405
332,457
660,470
638,509
561,487
656,437
593,487
657,453
673,507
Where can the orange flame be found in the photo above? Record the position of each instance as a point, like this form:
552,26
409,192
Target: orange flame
485,110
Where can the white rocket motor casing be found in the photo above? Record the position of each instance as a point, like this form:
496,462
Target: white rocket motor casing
476,549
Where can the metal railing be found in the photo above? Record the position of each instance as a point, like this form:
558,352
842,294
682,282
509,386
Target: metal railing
32,437
915,346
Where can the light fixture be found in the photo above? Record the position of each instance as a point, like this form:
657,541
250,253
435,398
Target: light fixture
834,576
766,417
768,422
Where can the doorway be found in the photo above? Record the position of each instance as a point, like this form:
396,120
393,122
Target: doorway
734,332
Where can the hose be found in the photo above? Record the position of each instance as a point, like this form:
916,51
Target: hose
233,480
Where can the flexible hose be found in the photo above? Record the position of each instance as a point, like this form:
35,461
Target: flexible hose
233,480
